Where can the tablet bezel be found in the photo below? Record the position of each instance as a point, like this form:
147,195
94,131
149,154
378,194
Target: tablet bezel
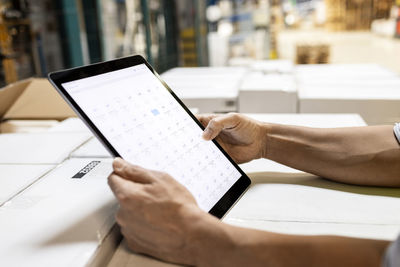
59,77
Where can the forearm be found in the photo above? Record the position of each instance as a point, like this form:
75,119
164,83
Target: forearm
357,155
226,245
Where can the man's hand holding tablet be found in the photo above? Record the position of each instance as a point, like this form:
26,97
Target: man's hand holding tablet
158,216
241,137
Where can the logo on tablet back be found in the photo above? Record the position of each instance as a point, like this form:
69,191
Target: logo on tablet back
86,169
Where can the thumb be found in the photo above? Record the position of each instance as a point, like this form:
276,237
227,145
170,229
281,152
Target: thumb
218,124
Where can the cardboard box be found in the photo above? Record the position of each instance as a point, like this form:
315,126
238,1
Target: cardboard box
209,89
26,126
91,149
32,99
271,93
66,227
59,220
39,148
343,72
376,106
70,125
16,178
367,89
281,66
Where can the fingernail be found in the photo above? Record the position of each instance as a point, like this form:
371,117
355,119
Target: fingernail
118,163
207,133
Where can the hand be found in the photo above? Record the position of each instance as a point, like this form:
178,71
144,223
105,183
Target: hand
157,215
240,136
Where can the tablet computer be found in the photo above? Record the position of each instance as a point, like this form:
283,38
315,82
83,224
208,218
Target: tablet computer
136,116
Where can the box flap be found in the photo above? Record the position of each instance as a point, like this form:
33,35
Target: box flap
10,93
39,101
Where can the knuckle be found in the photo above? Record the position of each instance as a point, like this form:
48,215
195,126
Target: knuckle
160,174
163,177
120,170
214,123
152,194
134,170
148,189
123,198
235,116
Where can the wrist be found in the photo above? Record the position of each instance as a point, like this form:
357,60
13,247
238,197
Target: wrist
266,129
210,240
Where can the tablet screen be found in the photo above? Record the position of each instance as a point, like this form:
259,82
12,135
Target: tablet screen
148,127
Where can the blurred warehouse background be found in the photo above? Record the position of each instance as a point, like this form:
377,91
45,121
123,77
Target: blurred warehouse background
42,35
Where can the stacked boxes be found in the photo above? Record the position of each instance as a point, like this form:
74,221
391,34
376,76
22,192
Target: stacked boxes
358,15
367,89
66,201
312,54
335,15
381,9
355,15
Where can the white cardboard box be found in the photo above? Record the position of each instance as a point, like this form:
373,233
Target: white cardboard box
91,149
277,66
268,93
15,178
376,106
60,220
367,89
70,125
39,148
344,71
210,89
